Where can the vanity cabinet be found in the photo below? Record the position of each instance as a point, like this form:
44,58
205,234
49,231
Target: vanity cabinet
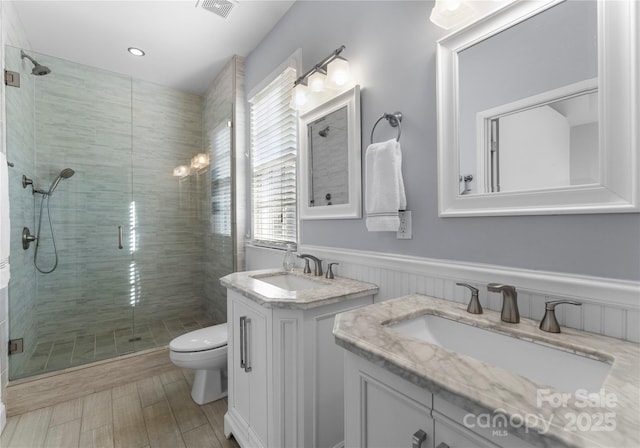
286,374
384,410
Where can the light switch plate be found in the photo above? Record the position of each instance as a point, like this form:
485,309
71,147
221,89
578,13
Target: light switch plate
404,232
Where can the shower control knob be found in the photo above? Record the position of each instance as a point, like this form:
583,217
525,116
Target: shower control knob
27,238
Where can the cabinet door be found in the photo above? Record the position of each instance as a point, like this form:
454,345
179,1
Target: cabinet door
382,410
256,363
239,393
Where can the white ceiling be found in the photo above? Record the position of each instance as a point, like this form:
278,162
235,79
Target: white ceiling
186,46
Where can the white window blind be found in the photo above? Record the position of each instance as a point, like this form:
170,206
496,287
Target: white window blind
220,144
273,162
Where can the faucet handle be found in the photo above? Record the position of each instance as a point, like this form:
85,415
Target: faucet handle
330,270
307,269
474,305
549,323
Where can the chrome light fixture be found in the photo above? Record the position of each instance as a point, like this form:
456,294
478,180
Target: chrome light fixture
330,73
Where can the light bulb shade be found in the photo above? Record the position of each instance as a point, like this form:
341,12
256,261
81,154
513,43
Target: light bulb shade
338,72
181,171
448,14
300,96
200,161
317,81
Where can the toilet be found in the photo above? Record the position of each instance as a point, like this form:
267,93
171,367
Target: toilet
205,351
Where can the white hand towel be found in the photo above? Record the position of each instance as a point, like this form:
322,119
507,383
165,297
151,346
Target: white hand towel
4,222
384,187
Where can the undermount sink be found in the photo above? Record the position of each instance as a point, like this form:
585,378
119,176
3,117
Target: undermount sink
290,282
562,370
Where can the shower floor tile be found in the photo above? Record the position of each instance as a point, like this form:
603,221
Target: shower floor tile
83,348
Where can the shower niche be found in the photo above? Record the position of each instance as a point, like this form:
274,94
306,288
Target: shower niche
121,231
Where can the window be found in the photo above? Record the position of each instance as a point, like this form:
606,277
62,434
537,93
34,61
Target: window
273,162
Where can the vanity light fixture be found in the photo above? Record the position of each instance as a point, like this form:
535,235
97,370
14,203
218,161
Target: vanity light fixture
200,161
448,14
181,171
332,72
136,51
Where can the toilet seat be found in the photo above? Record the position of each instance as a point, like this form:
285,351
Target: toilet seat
203,339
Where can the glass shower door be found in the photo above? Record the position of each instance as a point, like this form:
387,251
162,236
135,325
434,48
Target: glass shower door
79,118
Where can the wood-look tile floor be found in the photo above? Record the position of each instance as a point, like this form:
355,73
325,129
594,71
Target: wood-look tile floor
154,412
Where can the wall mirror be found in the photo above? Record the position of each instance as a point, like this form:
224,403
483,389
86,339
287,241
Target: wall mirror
535,111
329,159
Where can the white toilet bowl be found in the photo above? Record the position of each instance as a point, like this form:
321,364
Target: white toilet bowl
205,351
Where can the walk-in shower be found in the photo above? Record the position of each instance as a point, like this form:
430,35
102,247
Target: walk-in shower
122,239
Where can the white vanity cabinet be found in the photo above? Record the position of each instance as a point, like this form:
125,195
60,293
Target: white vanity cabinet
384,410
286,375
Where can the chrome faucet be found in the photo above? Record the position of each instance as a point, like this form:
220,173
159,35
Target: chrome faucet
510,311
317,264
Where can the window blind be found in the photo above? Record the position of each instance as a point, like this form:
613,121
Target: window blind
273,161
220,144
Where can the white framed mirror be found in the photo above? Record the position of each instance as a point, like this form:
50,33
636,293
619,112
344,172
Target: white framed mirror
537,111
329,161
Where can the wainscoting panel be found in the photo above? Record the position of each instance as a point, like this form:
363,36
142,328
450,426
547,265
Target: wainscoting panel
610,307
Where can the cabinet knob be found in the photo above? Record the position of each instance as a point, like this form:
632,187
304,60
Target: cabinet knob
418,437
442,445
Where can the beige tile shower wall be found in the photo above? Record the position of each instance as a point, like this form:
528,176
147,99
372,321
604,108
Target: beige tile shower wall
219,259
170,212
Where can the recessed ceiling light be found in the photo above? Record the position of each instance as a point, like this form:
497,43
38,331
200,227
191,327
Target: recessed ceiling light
135,51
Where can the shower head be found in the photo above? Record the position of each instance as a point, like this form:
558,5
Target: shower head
64,174
324,132
38,69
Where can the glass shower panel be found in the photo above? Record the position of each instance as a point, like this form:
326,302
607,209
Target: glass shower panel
75,117
169,195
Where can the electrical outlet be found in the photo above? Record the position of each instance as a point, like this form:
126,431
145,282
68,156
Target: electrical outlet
404,231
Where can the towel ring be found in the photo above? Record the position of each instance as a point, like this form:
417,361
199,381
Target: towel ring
394,120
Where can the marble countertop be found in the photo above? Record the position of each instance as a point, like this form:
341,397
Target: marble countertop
328,291
481,388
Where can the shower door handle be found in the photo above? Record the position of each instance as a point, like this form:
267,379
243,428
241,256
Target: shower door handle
120,246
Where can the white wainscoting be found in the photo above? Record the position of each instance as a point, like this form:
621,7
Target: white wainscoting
610,307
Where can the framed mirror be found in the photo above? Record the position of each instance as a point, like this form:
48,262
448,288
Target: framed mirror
536,107
329,159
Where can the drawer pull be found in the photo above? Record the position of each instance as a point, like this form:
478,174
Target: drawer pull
418,438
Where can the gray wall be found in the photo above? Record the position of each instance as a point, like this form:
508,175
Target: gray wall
391,47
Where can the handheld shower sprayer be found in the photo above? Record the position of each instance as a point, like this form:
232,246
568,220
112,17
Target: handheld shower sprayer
64,174
46,196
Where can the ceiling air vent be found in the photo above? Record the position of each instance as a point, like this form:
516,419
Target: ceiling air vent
220,7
